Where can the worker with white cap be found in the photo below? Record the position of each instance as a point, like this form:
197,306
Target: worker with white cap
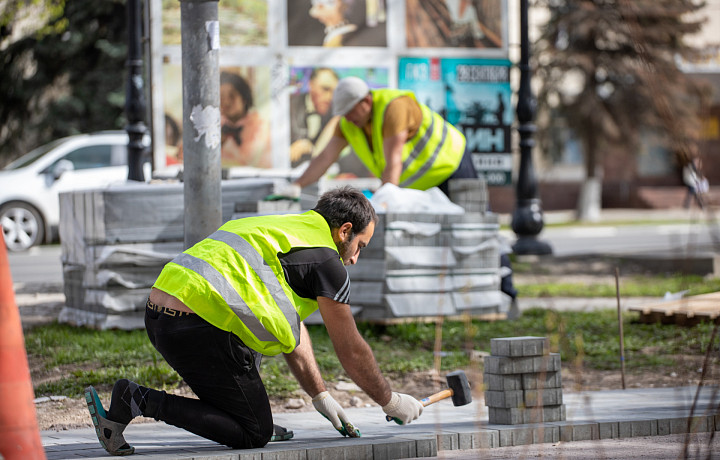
401,141
397,138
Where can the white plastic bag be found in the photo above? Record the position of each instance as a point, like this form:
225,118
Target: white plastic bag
393,199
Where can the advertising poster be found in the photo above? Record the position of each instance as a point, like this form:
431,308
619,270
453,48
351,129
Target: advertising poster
244,116
311,121
474,95
453,23
242,22
333,23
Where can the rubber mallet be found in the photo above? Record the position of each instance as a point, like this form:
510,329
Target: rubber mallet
458,389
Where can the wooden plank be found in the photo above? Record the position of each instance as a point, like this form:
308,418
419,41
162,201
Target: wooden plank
686,311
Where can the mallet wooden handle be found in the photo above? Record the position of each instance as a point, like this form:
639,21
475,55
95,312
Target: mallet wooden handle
440,395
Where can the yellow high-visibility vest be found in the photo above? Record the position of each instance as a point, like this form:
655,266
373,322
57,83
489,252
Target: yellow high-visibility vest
234,279
429,158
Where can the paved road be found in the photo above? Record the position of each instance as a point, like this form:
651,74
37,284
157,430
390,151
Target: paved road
40,264
683,239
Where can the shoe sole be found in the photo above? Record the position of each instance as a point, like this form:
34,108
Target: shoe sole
284,436
98,417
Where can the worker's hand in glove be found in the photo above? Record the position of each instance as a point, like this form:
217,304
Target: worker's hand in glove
403,408
290,191
331,410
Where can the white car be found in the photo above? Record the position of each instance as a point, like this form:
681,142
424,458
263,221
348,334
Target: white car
30,186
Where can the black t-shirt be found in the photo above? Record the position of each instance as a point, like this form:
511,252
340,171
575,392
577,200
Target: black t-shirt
316,272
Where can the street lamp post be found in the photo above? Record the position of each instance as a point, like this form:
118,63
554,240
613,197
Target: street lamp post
527,218
134,95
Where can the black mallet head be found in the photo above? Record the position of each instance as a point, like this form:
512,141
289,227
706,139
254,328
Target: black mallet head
457,381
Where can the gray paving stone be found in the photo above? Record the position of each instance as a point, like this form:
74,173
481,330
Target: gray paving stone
546,397
346,452
633,428
572,431
502,382
392,448
608,430
426,443
250,456
528,434
478,439
498,365
522,365
519,346
545,380
426,446
504,399
520,415
680,425
221,457
447,441
286,455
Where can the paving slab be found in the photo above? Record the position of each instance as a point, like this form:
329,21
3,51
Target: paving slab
590,416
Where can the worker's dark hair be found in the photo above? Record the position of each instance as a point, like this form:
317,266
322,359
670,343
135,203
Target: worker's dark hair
346,204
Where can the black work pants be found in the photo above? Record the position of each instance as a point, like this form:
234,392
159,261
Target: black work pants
233,407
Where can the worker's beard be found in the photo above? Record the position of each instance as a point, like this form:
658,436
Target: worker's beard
343,248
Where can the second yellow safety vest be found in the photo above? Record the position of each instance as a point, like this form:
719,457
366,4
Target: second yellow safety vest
429,158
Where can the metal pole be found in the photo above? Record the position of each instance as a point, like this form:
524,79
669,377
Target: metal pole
134,95
201,118
620,327
527,219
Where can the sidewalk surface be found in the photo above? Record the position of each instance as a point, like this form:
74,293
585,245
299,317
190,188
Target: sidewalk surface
442,427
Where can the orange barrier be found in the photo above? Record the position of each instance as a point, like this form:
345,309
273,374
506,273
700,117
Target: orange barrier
19,434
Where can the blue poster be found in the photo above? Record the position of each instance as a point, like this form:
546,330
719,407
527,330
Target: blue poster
475,96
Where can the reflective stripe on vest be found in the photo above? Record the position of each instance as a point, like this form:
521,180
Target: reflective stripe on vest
233,299
416,151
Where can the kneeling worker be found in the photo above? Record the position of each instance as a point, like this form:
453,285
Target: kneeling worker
242,292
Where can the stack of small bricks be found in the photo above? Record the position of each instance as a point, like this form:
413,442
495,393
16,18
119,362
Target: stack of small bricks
522,382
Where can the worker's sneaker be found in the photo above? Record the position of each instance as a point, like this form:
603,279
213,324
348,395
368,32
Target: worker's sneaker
109,433
281,434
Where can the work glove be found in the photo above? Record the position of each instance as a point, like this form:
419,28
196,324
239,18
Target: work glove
290,191
403,408
331,410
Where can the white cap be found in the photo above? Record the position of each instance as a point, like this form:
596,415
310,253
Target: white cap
349,91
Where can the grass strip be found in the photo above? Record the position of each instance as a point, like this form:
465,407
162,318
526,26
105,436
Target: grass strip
66,359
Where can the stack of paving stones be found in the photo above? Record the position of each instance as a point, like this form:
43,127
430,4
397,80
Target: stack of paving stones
471,194
116,240
429,265
522,382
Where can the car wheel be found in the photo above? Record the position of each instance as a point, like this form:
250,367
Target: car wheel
22,226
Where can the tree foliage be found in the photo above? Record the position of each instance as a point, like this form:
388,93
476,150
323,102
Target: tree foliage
66,77
609,69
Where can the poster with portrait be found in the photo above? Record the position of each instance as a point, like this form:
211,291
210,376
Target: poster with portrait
454,24
242,22
244,116
474,95
311,121
333,23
